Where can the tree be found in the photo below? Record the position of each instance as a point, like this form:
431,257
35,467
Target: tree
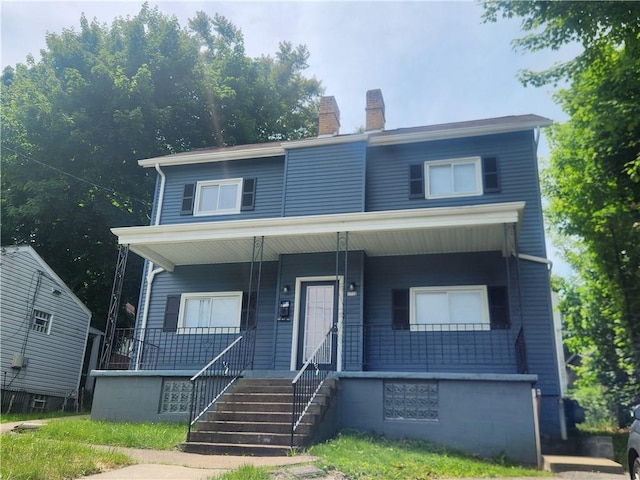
591,180
75,123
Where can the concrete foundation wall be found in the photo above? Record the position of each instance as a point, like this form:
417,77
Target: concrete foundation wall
485,416
134,397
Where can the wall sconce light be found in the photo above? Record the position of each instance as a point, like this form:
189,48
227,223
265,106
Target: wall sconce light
56,292
285,289
352,289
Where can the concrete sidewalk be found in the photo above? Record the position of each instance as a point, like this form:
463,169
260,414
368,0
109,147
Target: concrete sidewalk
173,464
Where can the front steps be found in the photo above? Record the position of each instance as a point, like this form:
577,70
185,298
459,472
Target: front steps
254,418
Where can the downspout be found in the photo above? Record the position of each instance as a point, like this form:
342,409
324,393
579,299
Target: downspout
151,272
533,258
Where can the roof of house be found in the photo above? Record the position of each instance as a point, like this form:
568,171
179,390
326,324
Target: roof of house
489,126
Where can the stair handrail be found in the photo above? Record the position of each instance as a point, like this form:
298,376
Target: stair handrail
209,382
306,384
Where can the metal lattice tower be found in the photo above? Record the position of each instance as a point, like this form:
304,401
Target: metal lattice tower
114,307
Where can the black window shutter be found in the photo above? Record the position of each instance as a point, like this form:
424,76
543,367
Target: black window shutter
490,175
248,318
400,309
171,311
499,307
188,196
248,194
416,181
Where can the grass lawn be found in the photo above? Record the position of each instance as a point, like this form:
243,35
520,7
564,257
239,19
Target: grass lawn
24,458
61,448
22,417
374,457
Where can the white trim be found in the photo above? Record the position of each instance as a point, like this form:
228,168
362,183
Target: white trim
326,140
460,132
451,162
390,220
181,329
387,137
212,156
238,182
485,323
296,316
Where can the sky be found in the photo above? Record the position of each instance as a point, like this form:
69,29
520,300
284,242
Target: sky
435,61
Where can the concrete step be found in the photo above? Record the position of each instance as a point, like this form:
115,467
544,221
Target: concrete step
256,417
279,383
245,438
235,449
230,406
266,427
565,463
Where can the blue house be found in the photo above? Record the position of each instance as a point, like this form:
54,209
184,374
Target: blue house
391,280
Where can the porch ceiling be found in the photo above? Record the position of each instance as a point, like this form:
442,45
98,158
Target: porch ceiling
398,232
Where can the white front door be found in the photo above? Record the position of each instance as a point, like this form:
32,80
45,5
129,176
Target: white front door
317,316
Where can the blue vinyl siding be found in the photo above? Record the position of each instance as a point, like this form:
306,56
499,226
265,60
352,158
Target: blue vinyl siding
383,274
218,278
324,180
316,265
388,178
268,172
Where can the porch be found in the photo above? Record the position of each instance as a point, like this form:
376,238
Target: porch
462,348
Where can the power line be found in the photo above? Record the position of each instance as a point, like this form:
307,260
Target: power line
106,189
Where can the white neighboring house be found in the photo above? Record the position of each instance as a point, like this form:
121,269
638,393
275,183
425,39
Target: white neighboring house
44,331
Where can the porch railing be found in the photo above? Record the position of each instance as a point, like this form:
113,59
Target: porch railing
469,348
309,380
158,348
210,383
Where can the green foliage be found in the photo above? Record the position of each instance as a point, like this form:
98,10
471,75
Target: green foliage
592,184
360,455
158,436
23,458
75,123
552,24
244,472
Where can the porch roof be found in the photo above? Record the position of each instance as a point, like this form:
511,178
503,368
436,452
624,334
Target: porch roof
397,232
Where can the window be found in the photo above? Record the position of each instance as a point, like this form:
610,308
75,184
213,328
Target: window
202,311
453,178
41,322
441,306
218,197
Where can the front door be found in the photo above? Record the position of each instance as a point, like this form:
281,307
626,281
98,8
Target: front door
317,315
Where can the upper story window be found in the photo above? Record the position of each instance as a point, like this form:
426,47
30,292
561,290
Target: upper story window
453,178
458,177
41,321
218,197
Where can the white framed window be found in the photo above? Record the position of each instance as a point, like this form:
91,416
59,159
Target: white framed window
202,311
41,321
458,177
218,197
465,307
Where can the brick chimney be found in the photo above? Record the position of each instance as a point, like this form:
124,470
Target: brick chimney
329,117
375,111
